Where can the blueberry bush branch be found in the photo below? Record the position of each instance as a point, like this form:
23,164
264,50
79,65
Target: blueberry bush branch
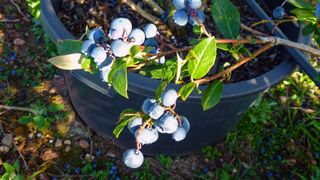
146,50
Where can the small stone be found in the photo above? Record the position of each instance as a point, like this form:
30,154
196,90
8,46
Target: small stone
51,141
67,149
49,155
4,149
58,143
39,134
19,42
67,142
84,144
30,136
89,157
111,154
7,140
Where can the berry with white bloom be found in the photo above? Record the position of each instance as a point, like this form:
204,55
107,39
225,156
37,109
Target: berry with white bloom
133,158
120,48
147,136
147,104
150,30
180,134
168,124
134,124
137,37
156,111
169,98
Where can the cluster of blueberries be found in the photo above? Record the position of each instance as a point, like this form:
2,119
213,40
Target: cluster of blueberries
123,38
279,12
188,11
164,122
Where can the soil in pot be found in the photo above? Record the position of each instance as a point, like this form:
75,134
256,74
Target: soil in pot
77,15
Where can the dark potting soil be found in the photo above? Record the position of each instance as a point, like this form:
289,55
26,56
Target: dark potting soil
76,15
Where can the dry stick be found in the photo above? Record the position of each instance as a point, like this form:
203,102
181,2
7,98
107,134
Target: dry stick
21,156
147,15
285,42
9,20
154,6
18,108
18,8
235,66
290,19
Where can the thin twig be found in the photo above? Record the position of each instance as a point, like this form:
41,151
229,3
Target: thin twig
9,20
255,32
235,66
18,108
18,8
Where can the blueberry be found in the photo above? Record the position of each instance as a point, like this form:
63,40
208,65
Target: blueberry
154,51
120,48
168,124
278,12
87,47
169,97
156,111
147,136
179,4
269,175
94,164
180,17
194,4
119,28
133,158
99,55
14,72
96,35
134,124
67,165
3,85
12,55
137,37
107,63
200,16
104,74
317,13
185,123
77,170
180,134
98,152
147,104
150,30
151,42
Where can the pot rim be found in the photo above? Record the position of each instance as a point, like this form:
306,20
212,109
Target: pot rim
145,85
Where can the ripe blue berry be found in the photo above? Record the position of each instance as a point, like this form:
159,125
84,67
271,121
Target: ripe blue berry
317,13
137,37
179,4
200,16
151,42
185,123
87,47
168,123
180,134
104,73
96,35
120,48
169,97
180,17
194,4
133,158
134,124
147,104
147,136
150,30
156,111
119,28
107,63
99,54
278,12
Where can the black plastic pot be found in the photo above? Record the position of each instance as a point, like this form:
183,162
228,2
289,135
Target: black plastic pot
99,106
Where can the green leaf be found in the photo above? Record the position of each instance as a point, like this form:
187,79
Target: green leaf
25,119
69,47
125,117
39,120
226,17
135,51
304,14
67,62
212,95
88,65
16,165
179,67
202,58
160,89
8,167
308,29
186,90
55,107
300,3
118,77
